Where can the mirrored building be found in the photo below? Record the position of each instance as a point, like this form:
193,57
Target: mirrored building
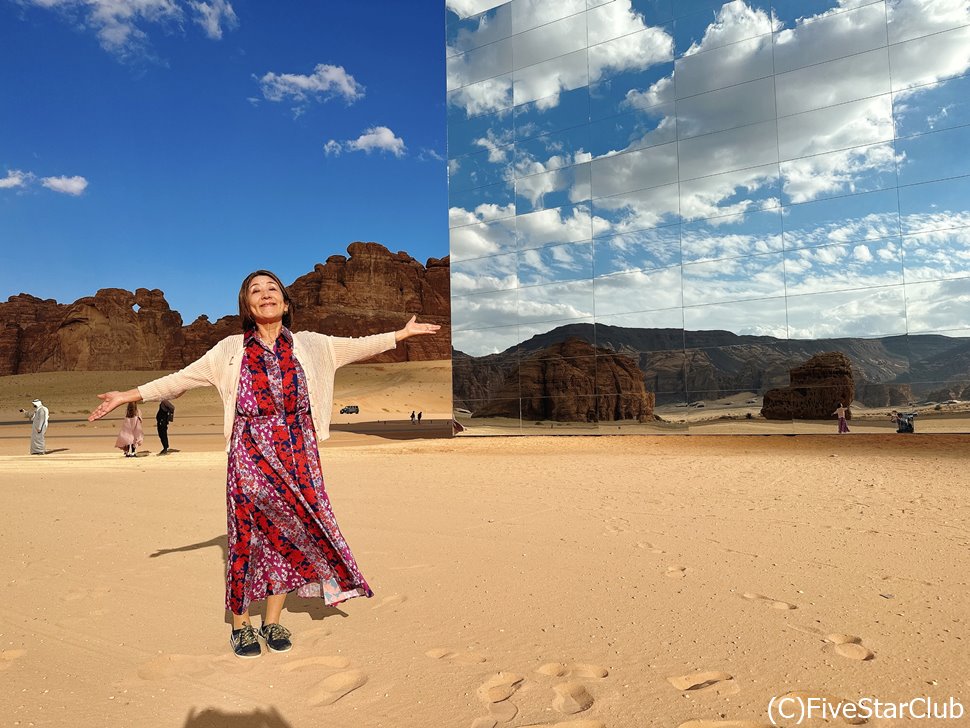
706,216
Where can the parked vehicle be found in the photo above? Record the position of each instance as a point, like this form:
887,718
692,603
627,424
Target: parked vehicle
350,409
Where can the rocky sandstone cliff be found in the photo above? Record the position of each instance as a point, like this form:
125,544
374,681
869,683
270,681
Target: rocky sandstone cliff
370,291
817,388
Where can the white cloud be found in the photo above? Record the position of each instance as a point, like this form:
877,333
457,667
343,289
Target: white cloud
212,16
326,82
15,178
67,185
374,139
121,24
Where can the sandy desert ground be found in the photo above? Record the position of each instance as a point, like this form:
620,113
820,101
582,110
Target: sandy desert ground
610,582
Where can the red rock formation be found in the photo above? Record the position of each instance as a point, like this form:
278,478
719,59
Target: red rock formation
372,291
573,381
817,387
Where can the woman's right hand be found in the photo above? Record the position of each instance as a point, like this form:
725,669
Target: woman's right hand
111,400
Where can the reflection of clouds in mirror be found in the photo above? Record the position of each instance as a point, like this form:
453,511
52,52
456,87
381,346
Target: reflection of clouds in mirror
561,225
735,21
938,306
938,254
734,279
639,291
844,267
862,313
856,170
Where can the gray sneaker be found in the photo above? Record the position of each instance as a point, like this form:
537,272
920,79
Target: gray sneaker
277,637
245,641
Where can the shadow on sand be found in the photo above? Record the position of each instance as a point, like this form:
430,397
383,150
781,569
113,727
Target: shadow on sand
212,718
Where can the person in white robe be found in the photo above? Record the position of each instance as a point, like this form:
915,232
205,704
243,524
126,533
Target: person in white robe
38,431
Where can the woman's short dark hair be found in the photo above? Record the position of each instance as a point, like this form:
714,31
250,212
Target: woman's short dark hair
246,317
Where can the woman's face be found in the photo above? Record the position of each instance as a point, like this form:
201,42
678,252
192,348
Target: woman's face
265,300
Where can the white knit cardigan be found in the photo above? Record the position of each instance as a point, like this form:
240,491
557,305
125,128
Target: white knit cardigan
319,356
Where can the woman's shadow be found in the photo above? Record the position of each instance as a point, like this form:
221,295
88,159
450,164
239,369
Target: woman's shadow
312,606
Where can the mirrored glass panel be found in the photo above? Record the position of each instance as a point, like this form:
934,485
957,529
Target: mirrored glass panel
488,131
562,111
542,335
871,216
559,415
639,291
835,174
719,24
615,19
792,12
486,342
556,302
930,156
831,36
633,90
459,9
635,210
863,264
739,105
933,107
732,236
478,64
858,314
633,52
480,239
549,41
734,279
723,67
547,80
496,272
552,189
637,130
494,201
492,94
921,20
552,151
763,317
720,195
488,417
938,306
484,310
930,59
480,169
555,263
528,14
637,170
465,34
937,255
642,250
935,205
749,146
852,124
548,227
835,82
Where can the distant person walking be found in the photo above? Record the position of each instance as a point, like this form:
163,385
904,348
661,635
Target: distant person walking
38,431
842,412
165,414
131,434
413,417
420,414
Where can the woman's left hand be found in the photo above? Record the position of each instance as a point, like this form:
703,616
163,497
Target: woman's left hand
413,328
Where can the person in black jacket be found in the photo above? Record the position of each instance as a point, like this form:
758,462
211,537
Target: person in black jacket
165,414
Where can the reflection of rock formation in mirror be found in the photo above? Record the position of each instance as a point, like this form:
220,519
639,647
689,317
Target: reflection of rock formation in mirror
573,381
817,387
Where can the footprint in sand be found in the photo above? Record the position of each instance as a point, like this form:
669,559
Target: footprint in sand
773,603
165,666
333,662
724,724
721,683
616,525
487,722
571,697
499,687
77,595
575,669
8,656
649,547
461,658
850,646
395,600
676,572
503,712
337,686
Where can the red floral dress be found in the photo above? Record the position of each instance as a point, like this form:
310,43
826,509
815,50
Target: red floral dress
282,531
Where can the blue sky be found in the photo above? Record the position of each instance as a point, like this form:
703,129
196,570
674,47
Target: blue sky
186,144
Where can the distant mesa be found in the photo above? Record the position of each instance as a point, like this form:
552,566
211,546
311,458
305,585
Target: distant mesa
371,291
573,381
817,388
